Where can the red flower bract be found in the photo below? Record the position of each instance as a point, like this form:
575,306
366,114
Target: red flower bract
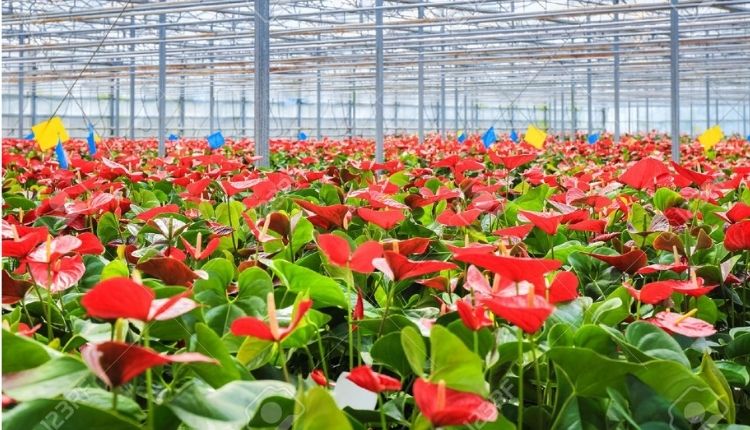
116,363
396,267
124,298
370,380
737,236
443,406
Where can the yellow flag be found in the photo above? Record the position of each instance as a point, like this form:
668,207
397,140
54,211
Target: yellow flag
535,137
711,137
48,133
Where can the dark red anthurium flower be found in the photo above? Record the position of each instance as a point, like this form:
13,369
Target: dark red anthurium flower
358,313
396,267
197,252
737,237
170,270
513,269
326,217
651,293
519,231
473,317
385,219
336,249
370,380
692,287
116,363
14,290
685,324
545,221
254,327
460,219
694,177
124,298
443,406
593,225
629,262
644,174
527,312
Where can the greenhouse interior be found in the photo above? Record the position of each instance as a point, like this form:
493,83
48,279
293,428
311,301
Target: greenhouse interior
370,214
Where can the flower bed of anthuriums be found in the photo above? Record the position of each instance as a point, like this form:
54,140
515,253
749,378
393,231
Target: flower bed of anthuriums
453,286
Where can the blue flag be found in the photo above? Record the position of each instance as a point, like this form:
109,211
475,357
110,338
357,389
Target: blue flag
593,138
462,137
91,140
215,140
301,136
61,158
488,138
514,136
29,136
173,137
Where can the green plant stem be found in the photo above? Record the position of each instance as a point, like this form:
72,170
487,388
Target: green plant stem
537,373
114,399
383,422
520,379
322,356
47,312
389,299
149,384
283,363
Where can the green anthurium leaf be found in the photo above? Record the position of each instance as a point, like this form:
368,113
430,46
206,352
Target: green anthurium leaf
736,373
230,407
655,342
115,269
220,274
49,380
208,343
388,350
220,318
454,363
414,349
254,352
253,282
64,415
27,353
107,228
595,338
315,409
323,290
664,198
718,383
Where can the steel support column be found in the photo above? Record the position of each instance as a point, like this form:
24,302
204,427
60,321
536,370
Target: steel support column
131,78
616,60
420,79
674,75
262,82
379,81
162,102
21,131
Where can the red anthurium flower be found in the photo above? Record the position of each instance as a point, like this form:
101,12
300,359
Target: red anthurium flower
685,325
510,162
337,250
24,330
358,313
737,236
443,406
261,235
593,225
197,252
415,245
14,290
326,217
677,216
528,311
644,174
694,177
116,363
653,268
563,288
159,210
386,219
319,377
513,269
370,380
254,327
90,244
519,231
124,298
439,283
396,267
460,219
23,241
547,222
738,212
692,287
473,317
651,293
629,262
473,248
